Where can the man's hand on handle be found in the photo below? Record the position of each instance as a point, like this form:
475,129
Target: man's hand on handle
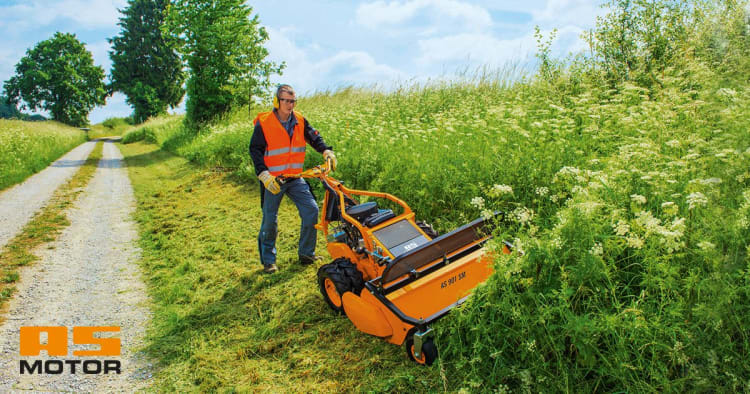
328,155
269,181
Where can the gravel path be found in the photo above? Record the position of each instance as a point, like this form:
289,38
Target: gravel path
88,277
19,203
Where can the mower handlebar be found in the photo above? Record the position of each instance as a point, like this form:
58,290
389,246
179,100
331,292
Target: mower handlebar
318,171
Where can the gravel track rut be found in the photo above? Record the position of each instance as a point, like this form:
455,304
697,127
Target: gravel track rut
87,277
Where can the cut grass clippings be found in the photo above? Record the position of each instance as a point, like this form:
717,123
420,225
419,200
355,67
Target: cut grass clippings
44,227
219,323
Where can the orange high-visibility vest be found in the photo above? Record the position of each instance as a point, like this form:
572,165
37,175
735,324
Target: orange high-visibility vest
284,155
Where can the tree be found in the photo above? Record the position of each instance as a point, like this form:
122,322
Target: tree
222,47
58,75
8,110
144,66
638,38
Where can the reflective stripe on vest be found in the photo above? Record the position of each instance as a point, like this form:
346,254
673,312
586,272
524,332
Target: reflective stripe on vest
283,150
284,155
283,167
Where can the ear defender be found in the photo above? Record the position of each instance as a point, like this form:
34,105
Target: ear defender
276,96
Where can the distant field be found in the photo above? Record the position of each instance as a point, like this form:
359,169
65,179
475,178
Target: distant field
29,147
111,127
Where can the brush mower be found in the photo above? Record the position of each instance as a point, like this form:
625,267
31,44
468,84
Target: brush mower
392,275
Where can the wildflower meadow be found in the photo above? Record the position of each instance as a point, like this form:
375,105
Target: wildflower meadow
29,147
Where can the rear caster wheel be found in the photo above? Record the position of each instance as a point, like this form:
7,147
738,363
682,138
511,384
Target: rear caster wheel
428,355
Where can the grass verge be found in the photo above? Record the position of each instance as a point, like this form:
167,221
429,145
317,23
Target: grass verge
44,227
219,323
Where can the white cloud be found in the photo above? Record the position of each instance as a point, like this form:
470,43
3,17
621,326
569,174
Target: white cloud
100,52
14,17
477,49
338,69
360,67
281,47
8,59
379,13
487,50
442,12
84,13
558,13
459,35
569,40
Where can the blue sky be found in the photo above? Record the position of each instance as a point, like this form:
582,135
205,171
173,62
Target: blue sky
333,43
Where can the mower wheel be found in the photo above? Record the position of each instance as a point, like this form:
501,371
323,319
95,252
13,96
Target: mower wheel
427,228
336,278
429,352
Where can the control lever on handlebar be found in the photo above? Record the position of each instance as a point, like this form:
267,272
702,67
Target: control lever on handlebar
314,172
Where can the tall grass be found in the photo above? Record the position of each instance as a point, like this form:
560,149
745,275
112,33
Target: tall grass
29,147
156,130
636,265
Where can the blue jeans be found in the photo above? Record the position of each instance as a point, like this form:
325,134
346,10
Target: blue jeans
299,192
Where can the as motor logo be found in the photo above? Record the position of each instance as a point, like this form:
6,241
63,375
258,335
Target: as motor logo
57,346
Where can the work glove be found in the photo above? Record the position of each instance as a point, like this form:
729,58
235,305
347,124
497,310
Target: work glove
269,181
328,155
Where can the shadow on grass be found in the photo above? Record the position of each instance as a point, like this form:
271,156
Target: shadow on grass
148,159
244,304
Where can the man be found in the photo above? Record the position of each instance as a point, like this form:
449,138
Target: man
277,148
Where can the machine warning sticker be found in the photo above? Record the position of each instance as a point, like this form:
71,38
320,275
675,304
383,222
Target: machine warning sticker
452,280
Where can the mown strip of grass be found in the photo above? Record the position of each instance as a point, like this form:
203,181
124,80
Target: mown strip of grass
29,147
44,227
219,323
